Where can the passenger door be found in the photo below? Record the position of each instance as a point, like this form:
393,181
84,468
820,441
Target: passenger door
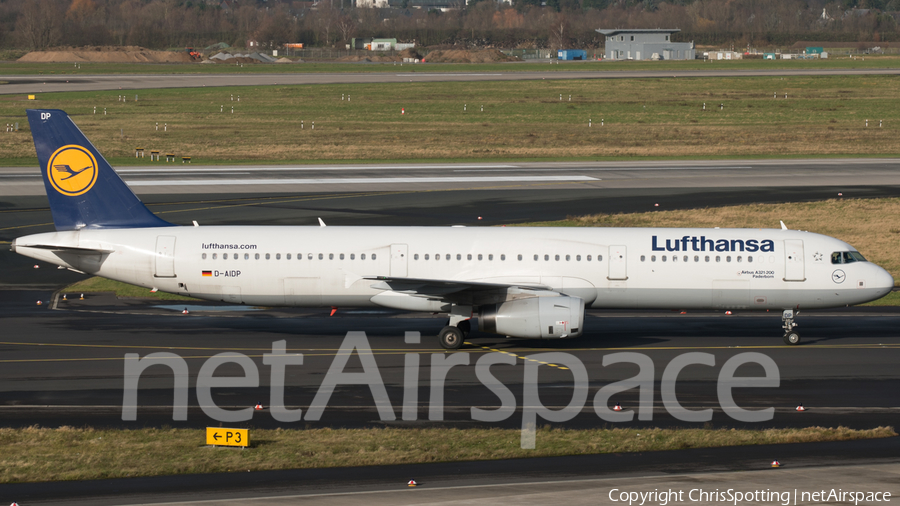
165,256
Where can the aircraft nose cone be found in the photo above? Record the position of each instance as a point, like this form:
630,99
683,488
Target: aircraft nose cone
883,280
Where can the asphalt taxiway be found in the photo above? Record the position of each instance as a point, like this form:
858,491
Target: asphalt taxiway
781,175
64,366
30,84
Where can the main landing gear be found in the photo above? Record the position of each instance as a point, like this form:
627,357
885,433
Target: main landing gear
452,336
790,336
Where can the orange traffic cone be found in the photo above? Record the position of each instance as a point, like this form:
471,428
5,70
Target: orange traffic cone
800,407
185,311
775,463
617,407
154,290
333,310
412,483
258,407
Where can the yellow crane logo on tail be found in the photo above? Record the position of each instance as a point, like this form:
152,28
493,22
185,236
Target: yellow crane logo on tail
72,170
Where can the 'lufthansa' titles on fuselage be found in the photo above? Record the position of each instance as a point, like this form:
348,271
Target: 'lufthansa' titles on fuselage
702,243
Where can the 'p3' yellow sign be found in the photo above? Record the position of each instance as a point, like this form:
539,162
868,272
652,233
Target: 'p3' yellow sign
220,436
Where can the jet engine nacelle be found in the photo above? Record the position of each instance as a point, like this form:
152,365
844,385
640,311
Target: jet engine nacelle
535,318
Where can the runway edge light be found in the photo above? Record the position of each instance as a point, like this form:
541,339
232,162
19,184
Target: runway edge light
775,463
800,407
617,407
412,483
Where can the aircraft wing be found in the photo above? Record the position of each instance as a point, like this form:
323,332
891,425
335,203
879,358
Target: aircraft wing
451,290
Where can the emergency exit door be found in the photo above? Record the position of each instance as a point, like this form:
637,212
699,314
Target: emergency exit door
399,259
618,262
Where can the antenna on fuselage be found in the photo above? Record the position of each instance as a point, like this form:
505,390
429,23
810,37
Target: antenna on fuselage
321,223
783,226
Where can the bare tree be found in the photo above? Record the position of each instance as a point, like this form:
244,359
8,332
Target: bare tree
40,24
559,31
346,24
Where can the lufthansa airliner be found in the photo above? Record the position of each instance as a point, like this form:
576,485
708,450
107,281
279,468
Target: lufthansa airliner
518,282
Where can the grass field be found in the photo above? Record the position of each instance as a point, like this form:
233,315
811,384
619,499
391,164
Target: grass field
835,62
524,120
35,454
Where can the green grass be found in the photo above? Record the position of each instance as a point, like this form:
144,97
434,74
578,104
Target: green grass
824,116
839,62
891,299
35,454
97,284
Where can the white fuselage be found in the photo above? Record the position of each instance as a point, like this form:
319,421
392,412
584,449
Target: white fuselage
607,267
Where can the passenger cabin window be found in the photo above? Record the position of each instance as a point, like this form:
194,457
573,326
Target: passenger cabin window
838,257
491,256
426,256
415,257
321,256
588,258
479,257
458,256
363,256
353,256
256,256
277,256
215,255
246,256
268,256
373,256
469,256
203,256
287,257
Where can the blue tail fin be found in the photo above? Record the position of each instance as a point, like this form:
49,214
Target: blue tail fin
83,189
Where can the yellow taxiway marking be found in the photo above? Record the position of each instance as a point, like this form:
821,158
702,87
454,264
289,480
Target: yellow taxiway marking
494,350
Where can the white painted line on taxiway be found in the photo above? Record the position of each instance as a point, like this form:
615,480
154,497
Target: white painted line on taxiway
372,180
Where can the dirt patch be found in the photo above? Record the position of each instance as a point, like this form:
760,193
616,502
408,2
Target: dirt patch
466,56
369,59
106,54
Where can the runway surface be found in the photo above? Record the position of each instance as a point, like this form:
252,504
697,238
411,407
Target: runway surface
549,177
17,84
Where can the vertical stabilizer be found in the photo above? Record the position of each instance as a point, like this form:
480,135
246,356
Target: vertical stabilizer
83,189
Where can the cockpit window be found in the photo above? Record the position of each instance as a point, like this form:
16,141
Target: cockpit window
846,257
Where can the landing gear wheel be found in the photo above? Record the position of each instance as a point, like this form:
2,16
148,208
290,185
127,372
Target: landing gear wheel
792,338
451,338
465,326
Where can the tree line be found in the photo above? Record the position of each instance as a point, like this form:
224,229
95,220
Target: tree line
159,24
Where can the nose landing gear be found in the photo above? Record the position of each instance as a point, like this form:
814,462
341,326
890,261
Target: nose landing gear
790,336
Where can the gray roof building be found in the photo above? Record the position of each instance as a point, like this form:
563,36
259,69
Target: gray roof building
645,44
